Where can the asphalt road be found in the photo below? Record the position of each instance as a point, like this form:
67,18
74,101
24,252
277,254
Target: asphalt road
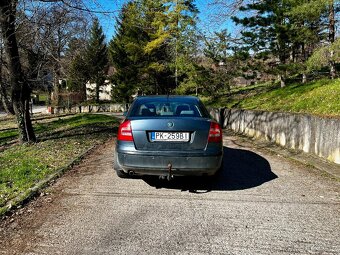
261,203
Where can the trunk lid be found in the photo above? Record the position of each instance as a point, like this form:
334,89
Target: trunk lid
198,129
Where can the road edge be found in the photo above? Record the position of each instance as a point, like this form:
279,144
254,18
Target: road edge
32,192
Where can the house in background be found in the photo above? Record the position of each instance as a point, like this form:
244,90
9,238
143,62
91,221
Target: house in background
104,91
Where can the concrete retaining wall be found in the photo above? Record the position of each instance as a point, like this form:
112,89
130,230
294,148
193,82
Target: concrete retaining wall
319,136
90,108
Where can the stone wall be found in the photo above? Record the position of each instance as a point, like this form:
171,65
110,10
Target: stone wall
89,108
311,134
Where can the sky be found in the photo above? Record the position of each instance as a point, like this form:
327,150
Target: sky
207,16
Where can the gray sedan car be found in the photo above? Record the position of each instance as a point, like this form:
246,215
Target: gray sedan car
168,136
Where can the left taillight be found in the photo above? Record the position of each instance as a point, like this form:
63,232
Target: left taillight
125,131
215,132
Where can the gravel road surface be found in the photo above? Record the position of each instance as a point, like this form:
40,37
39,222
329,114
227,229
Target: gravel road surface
260,203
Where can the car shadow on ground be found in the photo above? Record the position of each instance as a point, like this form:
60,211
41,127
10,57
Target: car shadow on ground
242,169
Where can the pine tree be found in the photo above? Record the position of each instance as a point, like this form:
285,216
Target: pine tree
308,19
126,53
183,43
314,25
156,72
96,57
154,40
267,32
332,10
220,49
78,69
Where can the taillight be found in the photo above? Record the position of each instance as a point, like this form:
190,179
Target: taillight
125,131
215,133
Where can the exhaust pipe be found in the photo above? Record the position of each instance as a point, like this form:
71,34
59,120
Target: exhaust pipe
131,173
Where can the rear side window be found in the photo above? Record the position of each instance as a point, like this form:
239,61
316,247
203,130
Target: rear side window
168,108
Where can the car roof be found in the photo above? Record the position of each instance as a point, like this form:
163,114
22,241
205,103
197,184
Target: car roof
168,97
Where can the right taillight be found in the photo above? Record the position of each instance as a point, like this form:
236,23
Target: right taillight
125,131
215,132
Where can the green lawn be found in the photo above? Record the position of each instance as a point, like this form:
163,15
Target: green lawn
62,140
320,97
46,127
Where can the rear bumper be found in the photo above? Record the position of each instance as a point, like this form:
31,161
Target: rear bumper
158,165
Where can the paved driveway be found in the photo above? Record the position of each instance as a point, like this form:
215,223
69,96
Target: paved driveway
260,204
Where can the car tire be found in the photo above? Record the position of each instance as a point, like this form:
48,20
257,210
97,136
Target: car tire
220,170
120,173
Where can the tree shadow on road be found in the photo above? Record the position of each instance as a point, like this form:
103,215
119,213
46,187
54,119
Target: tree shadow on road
242,169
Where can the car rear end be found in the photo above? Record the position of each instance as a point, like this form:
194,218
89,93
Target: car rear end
168,136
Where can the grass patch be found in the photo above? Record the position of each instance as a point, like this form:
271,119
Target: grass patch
7,135
320,97
43,98
237,94
48,127
7,122
22,166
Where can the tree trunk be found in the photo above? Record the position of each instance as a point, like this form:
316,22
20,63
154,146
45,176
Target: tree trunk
97,91
20,91
282,80
332,37
332,65
56,88
83,91
7,104
304,58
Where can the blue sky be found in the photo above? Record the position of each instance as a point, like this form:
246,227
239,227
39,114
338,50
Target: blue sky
208,20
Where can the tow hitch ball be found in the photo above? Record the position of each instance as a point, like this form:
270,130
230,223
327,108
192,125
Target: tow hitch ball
169,176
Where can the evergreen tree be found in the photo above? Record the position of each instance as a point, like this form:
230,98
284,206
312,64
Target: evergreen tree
267,32
289,31
96,57
309,18
218,47
171,41
156,72
126,53
78,68
221,51
151,43
323,56
183,44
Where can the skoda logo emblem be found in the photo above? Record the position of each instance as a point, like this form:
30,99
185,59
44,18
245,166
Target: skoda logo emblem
170,124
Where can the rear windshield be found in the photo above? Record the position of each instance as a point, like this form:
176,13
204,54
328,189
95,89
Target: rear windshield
172,108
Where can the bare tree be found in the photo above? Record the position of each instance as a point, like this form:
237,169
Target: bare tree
225,9
52,28
20,91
